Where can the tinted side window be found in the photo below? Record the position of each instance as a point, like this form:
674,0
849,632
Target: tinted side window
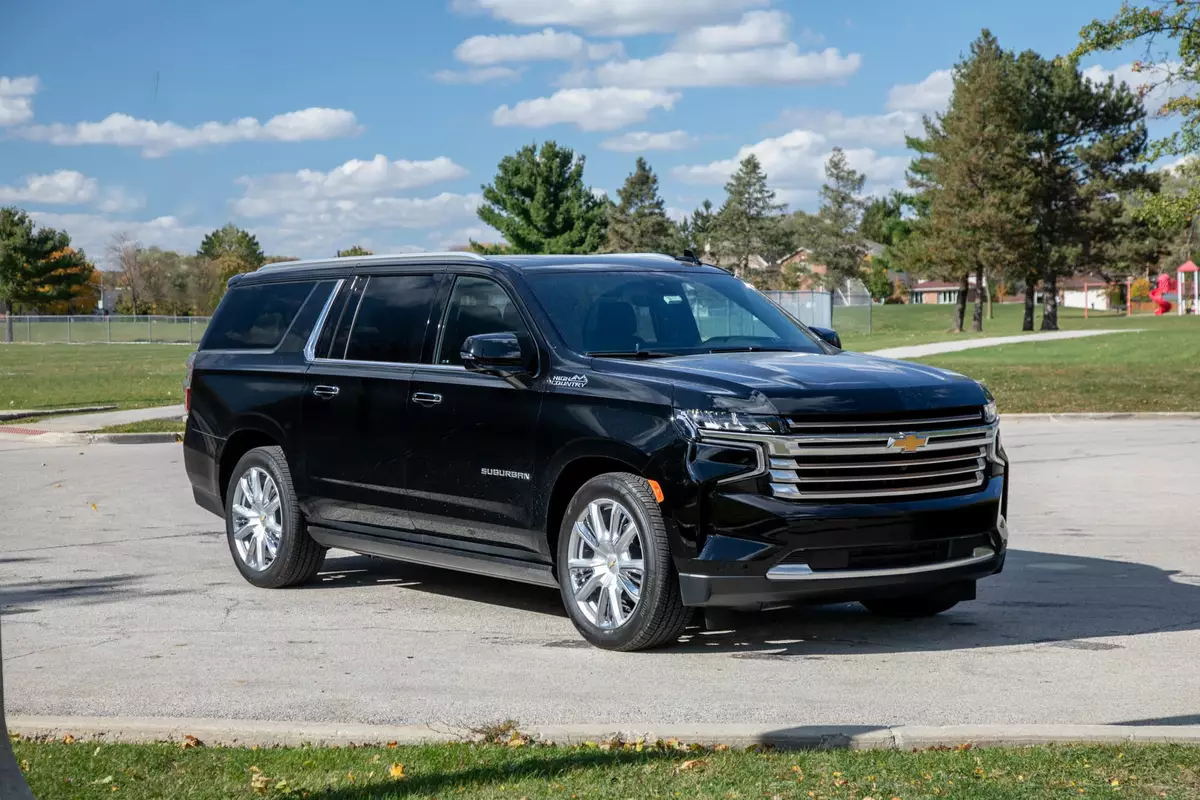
477,305
256,317
390,322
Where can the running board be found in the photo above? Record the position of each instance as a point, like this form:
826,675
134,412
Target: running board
433,556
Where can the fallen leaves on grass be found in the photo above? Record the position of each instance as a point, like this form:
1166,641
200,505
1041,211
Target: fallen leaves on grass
190,741
68,739
259,783
397,772
691,764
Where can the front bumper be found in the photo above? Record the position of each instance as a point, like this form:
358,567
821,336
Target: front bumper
847,553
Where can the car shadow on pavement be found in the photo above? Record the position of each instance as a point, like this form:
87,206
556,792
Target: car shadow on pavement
342,573
1041,599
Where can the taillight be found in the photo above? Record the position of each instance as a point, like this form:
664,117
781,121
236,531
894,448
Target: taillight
187,384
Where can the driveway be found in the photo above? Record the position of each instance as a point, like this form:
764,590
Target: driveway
120,600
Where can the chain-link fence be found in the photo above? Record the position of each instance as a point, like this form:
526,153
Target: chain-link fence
852,306
811,308
97,328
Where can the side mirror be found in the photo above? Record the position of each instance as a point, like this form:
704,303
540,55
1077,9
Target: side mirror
828,335
494,354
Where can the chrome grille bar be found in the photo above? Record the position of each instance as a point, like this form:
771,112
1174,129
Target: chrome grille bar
789,491
798,426
783,476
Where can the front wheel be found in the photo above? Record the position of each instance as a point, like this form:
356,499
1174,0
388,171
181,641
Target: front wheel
615,570
267,533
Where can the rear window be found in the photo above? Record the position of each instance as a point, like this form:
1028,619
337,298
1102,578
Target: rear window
256,317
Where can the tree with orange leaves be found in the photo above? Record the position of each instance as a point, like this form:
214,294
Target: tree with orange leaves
38,267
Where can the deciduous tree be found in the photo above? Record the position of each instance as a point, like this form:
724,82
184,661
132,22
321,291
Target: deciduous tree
540,204
38,266
354,250
232,241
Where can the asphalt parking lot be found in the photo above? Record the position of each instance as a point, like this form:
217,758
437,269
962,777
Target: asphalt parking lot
119,599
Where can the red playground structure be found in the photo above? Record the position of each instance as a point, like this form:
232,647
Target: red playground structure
1166,285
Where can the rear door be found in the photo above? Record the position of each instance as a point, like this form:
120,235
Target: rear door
356,402
471,443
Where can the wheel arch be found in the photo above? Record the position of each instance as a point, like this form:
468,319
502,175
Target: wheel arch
574,469
240,442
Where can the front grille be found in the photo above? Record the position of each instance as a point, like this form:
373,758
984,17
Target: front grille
863,458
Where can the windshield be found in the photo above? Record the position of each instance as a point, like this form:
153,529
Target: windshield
629,313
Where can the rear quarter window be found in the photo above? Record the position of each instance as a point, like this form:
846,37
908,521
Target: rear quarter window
256,317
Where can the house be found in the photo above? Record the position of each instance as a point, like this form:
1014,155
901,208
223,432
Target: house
1085,290
940,292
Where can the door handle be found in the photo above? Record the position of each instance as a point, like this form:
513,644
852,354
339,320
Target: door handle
426,399
326,392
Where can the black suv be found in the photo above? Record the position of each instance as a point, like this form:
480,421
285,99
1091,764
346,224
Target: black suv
646,433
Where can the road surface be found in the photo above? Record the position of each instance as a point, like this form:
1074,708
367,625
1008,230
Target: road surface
120,599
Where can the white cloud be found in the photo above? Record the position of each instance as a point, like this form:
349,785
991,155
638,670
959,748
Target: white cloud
795,164
612,17
268,195
68,187
767,66
64,187
16,99
642,141
1151,81
545,45
460,237
755,29
603,109
477,76
159,138
92,232
879,129
678,214
931,94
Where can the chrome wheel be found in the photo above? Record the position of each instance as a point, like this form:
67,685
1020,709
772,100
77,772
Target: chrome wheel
605,563
257,519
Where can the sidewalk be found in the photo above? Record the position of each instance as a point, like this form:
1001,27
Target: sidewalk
937,348
77,423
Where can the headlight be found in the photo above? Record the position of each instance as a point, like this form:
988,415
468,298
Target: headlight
989,412
729,422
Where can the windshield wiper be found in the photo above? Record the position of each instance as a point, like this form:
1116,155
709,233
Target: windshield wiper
751,349
636,354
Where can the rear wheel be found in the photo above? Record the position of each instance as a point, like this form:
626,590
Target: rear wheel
615,570
267,533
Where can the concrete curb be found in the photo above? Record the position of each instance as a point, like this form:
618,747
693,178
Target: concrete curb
21,413
108,438
247,733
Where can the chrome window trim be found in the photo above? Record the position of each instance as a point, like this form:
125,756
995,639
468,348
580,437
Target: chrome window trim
310,347
402,364
803,572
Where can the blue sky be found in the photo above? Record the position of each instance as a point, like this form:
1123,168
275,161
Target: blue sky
318,125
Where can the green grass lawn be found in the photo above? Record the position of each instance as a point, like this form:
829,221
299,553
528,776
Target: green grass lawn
169,425
1152,371
900,325
54,376
486,772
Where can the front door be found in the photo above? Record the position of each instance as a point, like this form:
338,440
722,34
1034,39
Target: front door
471,462
357,401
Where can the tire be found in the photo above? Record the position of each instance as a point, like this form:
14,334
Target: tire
658,615
912,606
297,557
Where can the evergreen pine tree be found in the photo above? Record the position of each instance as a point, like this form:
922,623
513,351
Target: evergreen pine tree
539,203
748,223
639,223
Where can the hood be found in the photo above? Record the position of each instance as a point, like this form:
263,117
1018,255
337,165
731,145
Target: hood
810,383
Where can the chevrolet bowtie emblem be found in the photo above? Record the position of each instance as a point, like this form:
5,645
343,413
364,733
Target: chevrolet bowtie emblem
909,444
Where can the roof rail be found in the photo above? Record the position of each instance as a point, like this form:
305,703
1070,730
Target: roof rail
453,257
